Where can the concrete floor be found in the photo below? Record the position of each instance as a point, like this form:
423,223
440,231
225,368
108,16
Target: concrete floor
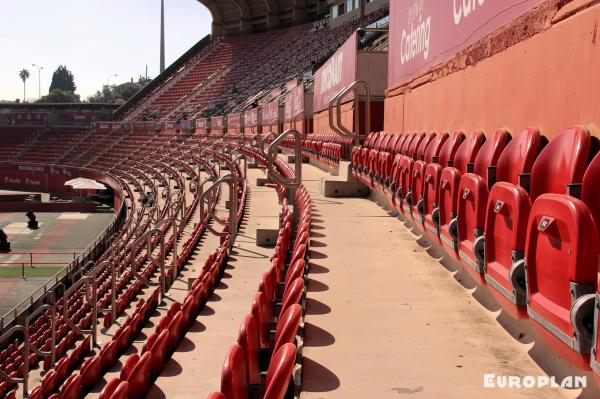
195,368
388,316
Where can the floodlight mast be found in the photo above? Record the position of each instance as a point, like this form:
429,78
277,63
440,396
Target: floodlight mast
162,35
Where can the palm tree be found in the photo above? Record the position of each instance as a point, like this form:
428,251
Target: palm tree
24,75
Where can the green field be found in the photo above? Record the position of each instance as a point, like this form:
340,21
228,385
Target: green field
39,271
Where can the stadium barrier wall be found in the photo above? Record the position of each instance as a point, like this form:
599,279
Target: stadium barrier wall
538,70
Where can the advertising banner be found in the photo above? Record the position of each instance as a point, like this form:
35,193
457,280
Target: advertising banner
338,72
294,102
424,33
251,117
234,121
271,113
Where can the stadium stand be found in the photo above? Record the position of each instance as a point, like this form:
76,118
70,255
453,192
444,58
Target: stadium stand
510,211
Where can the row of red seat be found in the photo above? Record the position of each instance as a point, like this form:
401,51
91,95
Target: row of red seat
83,314
520,214
139,371
258,348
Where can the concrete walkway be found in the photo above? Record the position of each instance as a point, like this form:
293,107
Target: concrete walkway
195,368
388,318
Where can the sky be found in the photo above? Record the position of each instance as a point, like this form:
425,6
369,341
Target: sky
94,39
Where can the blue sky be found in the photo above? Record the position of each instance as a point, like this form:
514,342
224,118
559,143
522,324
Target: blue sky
93,38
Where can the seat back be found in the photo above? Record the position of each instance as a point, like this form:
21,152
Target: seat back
249,341
287,326
259,311
280,372
391,146
408,143
562,162
91,371
435,146
448,150
424,145
467,151
233,375
400,143
415,143
590,193
561,252
295,271
159,353
71,389
139,377
292,294
384,142
490,152
519,156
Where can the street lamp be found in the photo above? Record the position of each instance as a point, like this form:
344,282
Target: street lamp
108,86
39,68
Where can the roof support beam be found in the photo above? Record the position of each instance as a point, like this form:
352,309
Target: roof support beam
272,13
217,24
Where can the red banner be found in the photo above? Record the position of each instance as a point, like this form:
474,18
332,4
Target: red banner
251,117
338,72
201,123
271,113
23,118
424,33
217,122
294,102
234,121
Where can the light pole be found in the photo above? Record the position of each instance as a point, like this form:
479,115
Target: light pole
108,86
162,36
39,68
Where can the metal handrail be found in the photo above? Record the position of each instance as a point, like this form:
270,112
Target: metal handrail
340,129
175,238
147,238
210,196
272,155
87,282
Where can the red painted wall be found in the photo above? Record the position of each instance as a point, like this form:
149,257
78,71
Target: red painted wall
550,80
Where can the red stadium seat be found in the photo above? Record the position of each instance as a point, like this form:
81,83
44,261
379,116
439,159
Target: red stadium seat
562,271
137,372
71,388
91,372
561,255
418,182
410,201
158,349
472,203
509,202
108,355
233,375
280,372
115,389
448,191
259,312
433,173
249,341
509,205
292,294
287,326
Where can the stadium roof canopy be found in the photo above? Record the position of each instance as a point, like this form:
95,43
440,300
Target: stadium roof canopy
231,17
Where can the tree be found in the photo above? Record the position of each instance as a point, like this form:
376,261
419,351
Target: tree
116,93
63,79
60,96
24,75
